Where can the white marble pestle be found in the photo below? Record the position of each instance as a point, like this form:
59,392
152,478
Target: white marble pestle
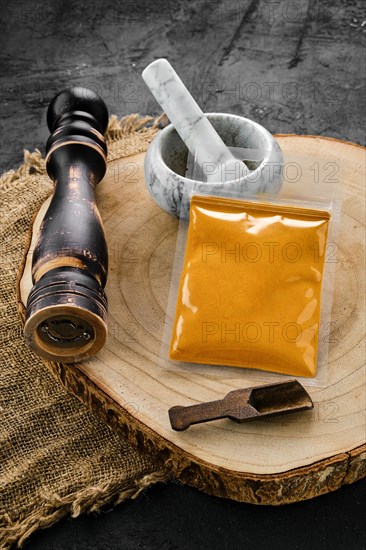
215,160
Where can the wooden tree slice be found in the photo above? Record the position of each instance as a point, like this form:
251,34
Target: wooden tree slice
276,461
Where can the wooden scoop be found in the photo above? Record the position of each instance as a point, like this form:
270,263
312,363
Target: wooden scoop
246,404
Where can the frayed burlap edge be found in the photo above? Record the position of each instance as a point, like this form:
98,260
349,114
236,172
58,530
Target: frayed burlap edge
126,136
91,499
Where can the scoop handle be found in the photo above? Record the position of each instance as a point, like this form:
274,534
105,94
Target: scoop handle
234,406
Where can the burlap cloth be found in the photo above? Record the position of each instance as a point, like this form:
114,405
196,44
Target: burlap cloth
56,457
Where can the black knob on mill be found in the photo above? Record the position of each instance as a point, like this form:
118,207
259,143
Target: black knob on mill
66,311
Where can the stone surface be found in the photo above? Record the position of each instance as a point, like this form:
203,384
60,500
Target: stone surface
295,67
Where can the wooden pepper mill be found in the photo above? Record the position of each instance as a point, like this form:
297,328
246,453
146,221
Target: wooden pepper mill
67,306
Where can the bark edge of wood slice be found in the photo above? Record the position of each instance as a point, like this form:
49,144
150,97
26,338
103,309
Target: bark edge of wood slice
278,461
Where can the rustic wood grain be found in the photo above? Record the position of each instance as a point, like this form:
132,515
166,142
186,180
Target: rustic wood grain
271,462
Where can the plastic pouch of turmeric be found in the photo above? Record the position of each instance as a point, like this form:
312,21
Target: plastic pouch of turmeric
250,288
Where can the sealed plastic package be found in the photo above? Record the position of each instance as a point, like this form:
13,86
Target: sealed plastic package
251,284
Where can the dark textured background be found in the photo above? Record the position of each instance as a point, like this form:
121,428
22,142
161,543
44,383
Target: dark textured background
295,67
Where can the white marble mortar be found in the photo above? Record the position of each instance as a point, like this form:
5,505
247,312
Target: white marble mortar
166,164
